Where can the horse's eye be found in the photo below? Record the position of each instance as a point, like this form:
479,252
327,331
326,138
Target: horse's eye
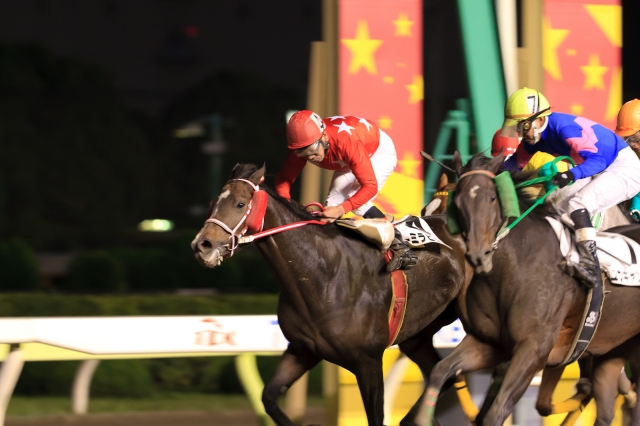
240,205
493,198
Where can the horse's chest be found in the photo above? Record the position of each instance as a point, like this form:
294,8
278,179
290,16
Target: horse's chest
482,320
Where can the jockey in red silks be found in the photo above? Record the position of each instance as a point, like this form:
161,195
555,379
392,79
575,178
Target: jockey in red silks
363,157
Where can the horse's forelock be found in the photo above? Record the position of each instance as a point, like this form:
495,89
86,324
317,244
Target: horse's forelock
478,162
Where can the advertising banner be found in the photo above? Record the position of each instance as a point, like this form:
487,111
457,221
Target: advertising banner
380,79
582,43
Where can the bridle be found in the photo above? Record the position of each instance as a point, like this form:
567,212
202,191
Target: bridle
234,235
237,234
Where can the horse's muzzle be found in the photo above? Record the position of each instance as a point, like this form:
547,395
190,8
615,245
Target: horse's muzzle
206,253
482,261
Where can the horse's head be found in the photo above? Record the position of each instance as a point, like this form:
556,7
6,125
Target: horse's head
228,216
438,203
479,212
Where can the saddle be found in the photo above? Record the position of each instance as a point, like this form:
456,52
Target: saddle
416,232
618,257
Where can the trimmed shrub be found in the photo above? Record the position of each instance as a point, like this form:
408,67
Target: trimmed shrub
19,269
96,272
46,378
122,378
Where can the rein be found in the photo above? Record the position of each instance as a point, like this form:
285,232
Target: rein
238,238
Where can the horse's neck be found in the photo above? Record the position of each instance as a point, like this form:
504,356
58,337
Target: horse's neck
285,251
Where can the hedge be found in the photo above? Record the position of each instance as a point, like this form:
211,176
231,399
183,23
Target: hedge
43,305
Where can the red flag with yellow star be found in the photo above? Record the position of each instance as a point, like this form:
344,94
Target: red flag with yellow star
380,78
582,41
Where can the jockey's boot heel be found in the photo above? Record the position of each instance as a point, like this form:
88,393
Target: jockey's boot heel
373,213
588,269
403,256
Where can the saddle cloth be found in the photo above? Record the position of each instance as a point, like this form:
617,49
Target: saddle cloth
618,255
415,231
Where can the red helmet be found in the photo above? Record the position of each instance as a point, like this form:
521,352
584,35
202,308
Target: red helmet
503,144
304,128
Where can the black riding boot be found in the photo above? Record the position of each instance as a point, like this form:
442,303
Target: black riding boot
588,269
403,257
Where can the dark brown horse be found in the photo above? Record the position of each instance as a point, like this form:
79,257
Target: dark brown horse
521,307
605,371
335,293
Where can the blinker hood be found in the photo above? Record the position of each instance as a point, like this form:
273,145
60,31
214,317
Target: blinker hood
506,194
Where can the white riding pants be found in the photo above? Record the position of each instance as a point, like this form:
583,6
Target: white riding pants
617,183
344,183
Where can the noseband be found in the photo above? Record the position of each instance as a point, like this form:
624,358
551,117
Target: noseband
234,235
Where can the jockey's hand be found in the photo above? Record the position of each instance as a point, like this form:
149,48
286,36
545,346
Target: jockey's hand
563,179
331,213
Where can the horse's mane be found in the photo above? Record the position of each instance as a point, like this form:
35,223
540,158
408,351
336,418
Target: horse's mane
244,171
480,162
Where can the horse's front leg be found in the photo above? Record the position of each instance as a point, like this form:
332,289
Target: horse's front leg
528,358
294,363
470,355
368,372
420,350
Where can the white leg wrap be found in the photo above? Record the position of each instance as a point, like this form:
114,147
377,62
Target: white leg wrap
586,234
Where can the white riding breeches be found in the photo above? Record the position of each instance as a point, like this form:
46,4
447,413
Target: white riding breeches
617,183
344,183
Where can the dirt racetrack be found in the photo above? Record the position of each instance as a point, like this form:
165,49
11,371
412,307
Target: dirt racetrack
315,415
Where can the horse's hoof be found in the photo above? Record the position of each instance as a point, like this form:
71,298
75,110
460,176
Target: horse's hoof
544,411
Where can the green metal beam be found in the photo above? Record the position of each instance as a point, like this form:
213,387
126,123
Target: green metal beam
484,67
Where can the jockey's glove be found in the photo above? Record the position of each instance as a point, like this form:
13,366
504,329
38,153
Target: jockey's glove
563,179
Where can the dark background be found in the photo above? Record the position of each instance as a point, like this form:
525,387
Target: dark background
91,91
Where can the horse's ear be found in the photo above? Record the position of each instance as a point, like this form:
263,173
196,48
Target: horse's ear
258,176
444,181
457,162
235,171
495,163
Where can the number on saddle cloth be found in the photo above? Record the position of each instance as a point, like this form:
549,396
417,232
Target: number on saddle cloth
416,232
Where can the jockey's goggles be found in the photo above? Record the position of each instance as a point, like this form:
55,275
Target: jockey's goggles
521,127
309,149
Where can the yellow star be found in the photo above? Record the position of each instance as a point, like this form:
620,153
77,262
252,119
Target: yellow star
409,164
403,25
387,79
593,73
576,109
416,89
551,40
384,122
362,49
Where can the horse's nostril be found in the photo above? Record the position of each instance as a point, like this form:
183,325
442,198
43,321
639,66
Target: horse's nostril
487,253
205,245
